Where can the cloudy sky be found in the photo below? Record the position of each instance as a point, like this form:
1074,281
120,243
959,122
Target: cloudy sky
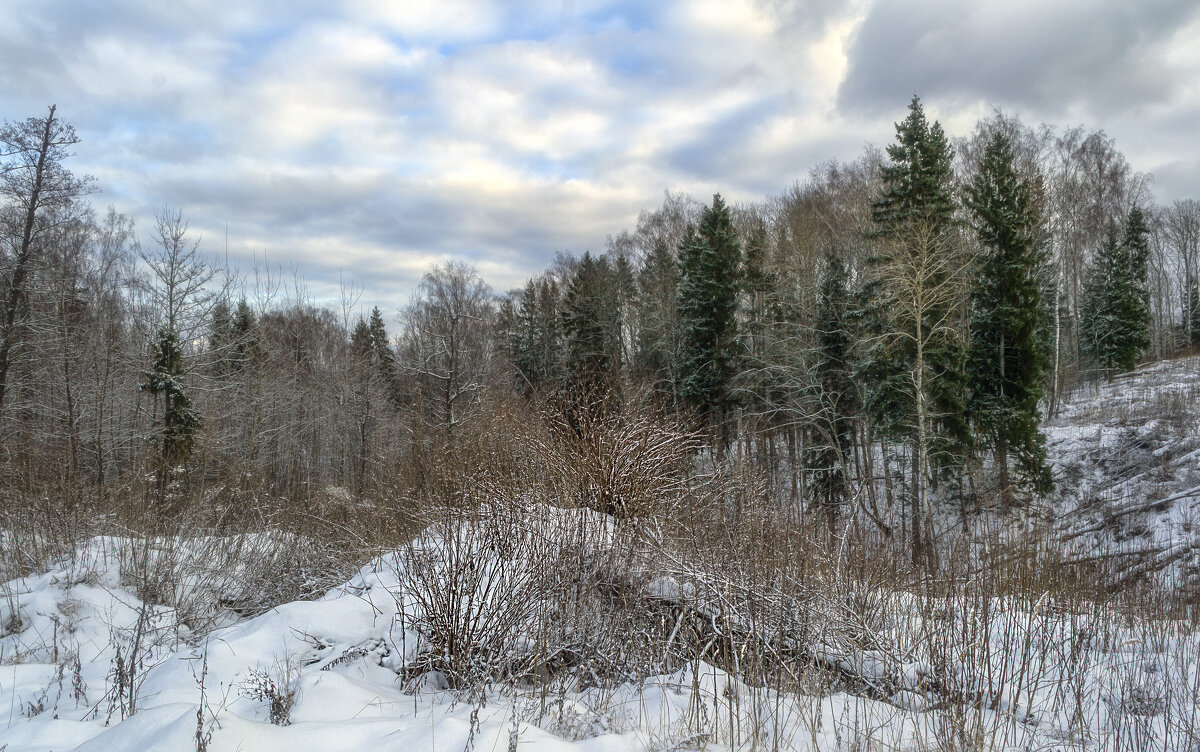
365,140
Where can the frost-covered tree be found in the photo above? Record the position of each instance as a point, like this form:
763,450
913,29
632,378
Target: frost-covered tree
37,193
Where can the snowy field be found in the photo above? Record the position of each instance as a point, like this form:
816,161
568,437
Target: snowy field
500,630
88,665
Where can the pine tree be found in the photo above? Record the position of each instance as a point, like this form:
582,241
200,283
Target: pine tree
1007,357
835,397
917,361
710,262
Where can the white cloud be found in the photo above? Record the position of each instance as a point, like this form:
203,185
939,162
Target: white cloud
378,137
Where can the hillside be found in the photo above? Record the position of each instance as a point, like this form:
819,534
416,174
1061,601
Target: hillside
526,626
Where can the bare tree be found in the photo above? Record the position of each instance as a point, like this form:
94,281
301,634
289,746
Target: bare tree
39,194
1181,223
182,292
447,344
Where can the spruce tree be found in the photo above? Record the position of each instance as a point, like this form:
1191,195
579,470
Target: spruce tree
710,261
1007,359
360,341
657,350
591,321
1115,321
381,347
181,422
916,363
835,396
524,344
1137,305
245,334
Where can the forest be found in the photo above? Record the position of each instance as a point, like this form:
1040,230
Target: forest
828,444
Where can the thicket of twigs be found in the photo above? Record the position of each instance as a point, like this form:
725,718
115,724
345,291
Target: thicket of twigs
556,551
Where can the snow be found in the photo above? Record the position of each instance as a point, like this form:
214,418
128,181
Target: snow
1044,676
344,652
1126,456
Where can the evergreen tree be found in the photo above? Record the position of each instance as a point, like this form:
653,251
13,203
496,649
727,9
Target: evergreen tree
536,337
381,347
1115,321
360,341
181,422
1136,243
525,340
835,396
220,327
1006,359
245,334
916,365
221,338
710,262
591,321
1194,313
656,354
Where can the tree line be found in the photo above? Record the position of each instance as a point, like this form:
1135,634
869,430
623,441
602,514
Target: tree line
889,330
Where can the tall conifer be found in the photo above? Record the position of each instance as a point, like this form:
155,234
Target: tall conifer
1007,358
710,262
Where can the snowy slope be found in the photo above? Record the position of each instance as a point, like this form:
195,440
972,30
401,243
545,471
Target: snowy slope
1046,677
1126,455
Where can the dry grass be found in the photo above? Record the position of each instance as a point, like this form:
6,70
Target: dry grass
1008,635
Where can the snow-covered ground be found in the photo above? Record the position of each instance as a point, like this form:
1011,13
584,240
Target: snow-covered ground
136,645
88,665
1126,455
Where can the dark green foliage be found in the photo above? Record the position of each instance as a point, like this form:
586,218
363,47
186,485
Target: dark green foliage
1194,313
1115,321
657,344
245,335
360,341
835,395
537,337
180,420
591,323
913,294
918,178
709,264
220,328
381,348
1007,356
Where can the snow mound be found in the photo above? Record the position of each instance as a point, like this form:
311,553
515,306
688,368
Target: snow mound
361,667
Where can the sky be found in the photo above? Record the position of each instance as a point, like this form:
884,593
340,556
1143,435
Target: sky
360,142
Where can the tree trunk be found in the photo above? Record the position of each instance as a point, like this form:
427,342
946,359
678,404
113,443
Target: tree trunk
16,287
